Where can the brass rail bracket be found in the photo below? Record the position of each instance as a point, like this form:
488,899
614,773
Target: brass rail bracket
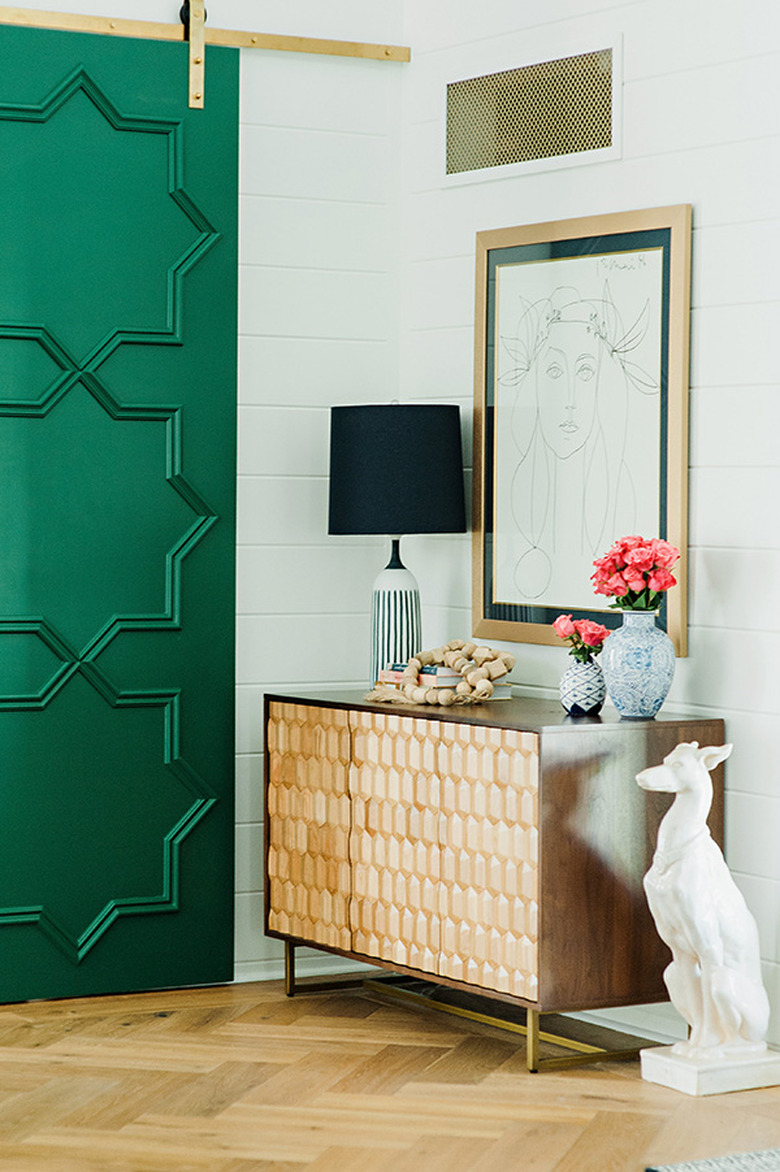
193,17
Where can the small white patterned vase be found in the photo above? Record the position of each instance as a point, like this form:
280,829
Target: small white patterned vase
638,663
582,689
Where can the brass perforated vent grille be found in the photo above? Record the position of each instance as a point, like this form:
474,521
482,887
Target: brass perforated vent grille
542,111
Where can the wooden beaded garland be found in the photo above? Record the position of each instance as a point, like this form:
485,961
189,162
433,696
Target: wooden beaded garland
478,667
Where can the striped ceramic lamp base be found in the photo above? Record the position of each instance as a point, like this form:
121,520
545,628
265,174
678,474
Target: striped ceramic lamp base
396,627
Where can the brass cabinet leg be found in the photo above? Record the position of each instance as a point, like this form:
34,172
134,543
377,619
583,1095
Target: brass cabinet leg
312,984
289,968
532,1039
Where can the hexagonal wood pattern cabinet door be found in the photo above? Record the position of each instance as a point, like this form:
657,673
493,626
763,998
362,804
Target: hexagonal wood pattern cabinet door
118,216
308,821
444,849
394,844
489,860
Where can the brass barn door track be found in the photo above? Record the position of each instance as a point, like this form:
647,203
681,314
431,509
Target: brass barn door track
193,28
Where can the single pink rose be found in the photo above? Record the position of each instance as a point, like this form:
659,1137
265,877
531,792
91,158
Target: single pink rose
635,580
611,559
664,554
592,634
640,558
661,580
605,568
563,626
617,585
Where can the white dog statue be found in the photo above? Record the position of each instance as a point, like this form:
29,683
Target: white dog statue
714,979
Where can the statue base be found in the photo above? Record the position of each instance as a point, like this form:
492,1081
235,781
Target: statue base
714,1077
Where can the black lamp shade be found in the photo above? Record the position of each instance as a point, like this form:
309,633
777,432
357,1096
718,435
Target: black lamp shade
395,469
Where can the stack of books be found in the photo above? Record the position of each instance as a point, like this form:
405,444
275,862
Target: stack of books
437,676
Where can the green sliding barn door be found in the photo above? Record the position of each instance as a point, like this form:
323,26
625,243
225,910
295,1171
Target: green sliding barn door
117,488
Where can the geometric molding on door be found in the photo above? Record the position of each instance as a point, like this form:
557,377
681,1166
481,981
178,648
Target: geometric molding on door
169,616
75,946
79,82
66,663
28,362
69,663
69,373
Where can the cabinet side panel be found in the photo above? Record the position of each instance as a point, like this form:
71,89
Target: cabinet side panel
394,844
308,823
598,833
489,820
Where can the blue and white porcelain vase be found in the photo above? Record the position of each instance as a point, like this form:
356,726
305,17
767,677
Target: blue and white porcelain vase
582,689
638,663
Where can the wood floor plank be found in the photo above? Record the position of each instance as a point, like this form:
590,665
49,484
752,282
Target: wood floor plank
162,1147
595,1085
612,1142
531,1147
294,1137
388,1070
34,1035
281,1012
523,1103
298,1082
96,1157
208,1094
199,1056
317,1031
470,1061
343,1004
17,1078
715,1126
53,1100
166,1022
28,1158
424,1116
128,1095
348,1159
33,1158
446,1153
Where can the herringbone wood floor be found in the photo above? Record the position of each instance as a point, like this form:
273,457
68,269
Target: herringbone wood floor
243,1079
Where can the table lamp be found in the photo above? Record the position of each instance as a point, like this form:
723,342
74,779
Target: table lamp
395,468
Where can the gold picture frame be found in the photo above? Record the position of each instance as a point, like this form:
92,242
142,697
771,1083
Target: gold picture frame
580,413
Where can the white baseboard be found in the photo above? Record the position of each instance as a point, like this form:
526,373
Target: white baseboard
657,1023
308,963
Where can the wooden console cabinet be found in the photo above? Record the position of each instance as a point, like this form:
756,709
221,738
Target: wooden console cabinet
498,848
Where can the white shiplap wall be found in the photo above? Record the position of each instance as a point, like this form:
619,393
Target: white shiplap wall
319,326
701,104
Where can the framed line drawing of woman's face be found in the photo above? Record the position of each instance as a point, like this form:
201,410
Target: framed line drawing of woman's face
580,413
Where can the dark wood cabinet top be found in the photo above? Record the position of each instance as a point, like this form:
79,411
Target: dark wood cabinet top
525,713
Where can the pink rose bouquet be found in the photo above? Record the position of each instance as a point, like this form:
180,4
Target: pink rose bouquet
586,637
636,572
